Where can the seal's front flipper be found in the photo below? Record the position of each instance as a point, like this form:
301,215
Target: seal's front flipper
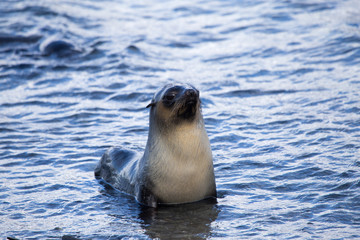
145,197
112,162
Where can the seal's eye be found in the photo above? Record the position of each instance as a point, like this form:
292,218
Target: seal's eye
170,96
169,99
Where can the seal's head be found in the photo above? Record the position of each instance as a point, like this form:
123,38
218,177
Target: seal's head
176,104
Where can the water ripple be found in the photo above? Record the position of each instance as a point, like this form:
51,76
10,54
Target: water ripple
279,86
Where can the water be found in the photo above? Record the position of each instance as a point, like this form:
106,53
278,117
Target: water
279,82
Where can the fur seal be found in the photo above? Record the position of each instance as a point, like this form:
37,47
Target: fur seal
177,165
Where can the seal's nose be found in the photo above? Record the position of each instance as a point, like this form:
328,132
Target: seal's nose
191,93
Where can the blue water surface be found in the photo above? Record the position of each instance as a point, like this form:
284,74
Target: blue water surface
280,90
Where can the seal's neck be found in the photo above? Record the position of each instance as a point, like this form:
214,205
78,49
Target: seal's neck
180,164
189,141
181,140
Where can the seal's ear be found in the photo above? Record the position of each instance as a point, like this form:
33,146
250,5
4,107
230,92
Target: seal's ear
151,104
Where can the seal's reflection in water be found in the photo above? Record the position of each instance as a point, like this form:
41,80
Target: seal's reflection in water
183,221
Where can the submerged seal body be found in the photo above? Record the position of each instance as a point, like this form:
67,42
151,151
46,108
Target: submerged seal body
176,166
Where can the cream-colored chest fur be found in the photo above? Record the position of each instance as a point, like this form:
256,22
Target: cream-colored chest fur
181,165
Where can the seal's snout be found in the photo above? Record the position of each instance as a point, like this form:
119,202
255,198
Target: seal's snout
191,93
190,96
